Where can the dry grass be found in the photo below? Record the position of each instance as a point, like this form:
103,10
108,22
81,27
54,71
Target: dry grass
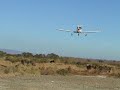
58,68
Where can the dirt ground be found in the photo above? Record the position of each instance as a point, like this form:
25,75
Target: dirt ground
47,82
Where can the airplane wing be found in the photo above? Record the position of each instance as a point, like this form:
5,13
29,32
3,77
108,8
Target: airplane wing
64,30
90,31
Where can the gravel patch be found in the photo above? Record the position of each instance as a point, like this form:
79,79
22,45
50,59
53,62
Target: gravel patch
47,82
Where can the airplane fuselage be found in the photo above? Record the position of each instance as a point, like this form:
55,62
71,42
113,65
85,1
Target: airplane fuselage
79,29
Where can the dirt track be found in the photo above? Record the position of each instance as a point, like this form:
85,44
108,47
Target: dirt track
59,83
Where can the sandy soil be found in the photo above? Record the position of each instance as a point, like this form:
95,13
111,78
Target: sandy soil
59,83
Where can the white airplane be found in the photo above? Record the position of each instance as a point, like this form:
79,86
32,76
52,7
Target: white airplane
79,31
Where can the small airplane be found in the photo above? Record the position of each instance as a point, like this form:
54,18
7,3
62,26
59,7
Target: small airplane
78,31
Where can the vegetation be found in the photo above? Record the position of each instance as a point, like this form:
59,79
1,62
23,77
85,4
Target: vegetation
52,64
62,72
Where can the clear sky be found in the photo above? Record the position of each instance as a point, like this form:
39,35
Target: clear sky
30,25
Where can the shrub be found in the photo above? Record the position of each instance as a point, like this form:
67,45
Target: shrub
62,72
47,71
10,70
117,75
7,70
2,54
40,60
12,59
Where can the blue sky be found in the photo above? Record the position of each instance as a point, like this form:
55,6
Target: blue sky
30,25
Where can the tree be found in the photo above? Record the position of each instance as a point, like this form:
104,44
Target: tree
27,54
2,54
39,55
53,56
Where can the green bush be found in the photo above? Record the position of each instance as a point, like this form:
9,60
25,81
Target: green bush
12,59
2,54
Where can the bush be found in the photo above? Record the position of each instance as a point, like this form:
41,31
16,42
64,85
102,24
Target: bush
12,59
47,71
117,75
62,72
10,70
40,60
7,70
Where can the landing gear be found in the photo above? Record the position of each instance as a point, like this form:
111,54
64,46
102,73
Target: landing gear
78,34
85,34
